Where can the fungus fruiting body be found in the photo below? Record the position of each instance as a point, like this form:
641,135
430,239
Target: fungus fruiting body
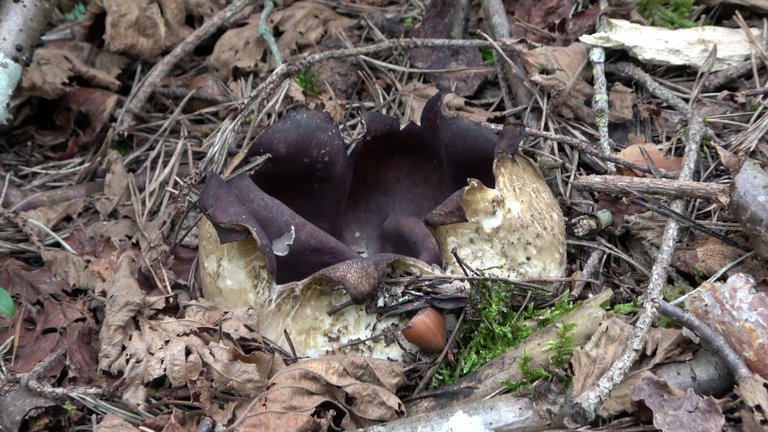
319,227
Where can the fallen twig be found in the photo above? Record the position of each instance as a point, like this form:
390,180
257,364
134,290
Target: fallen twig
600,96
141,92
618,185
589,149
628,70
583,408
720,345
593,265
21,24
513,68
265,33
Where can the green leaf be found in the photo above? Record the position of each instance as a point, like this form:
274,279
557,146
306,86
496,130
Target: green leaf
6,303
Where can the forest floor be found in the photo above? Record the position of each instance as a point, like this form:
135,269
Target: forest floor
622,286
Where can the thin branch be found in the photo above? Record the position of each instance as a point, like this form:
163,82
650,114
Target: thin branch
265,33
719,79
262,92
258,96
496,14
618,185
142,92
721,346
583,408
628,70
21,24
589,149
600,97
593,265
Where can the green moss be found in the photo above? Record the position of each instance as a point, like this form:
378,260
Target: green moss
674,292
698,275
667,13
528,373
562,347
625,308
493,326
70,408
487,56
307,80
77,12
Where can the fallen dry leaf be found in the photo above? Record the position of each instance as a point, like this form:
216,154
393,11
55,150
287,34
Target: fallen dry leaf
174,421
562,72
634,153
304,24
416,95
143,29
729,159
116,188
340,76
200,350
106,61
537,15
621,99
607,344
675,410
706,255
301,26
75,269
51,320
238,53
438,22
339,391
114,423
53,73
81,118
208,91
621,208
753,391
592,360
22,407
647,226
124,299
50,216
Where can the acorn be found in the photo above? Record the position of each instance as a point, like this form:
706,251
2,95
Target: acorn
426,330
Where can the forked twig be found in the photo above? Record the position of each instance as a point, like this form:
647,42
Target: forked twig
583,408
